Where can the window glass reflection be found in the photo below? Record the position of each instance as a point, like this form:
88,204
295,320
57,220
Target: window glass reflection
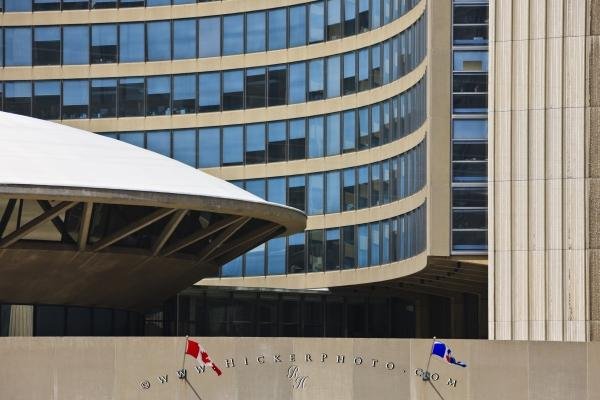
46,46
255,144
46,100
75,99
233,34
131,97
104,44
17,46
209,92
159,96
209,41
184,94
233,150
17,97
277,29
184,39
316,18
209,147
104,98
131,39
277,146
76,44
158,35
184,146
256,32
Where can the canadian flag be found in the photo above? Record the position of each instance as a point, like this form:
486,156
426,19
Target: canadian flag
195,350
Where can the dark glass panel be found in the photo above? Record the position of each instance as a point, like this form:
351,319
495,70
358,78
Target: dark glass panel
363,187
469,151
79,321
364,18
475,14
46,5
46,46
277,85
332,249
469,240
49,321
469,197
255,88
471,35
46,99
469,219
334,19
349,78
296,254
158,101
349,247
470,103
297,192
131,97
470,83
297,141
75,4
17,98
103,98
349,189
316,251
233,90
349,17
277,146
104,44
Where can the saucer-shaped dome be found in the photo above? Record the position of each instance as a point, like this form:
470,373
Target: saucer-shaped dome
88,220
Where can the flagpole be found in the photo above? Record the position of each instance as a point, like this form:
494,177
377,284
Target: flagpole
426,374
184,350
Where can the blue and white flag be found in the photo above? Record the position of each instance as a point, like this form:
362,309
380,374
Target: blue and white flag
442,351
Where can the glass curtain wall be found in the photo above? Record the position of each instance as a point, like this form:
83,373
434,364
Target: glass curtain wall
469,126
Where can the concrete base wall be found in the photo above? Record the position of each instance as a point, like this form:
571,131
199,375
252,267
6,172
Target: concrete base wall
285,368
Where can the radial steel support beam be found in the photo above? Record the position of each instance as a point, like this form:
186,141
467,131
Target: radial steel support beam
10,206
165,235
58,223
222,238
132,228
84,228
36,222
201,234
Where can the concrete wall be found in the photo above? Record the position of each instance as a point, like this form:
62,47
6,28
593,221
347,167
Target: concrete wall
129,368
539,284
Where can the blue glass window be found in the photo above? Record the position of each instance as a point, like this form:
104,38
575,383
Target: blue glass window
349,73
17,5
209,147
46,46
469,129
233,34
276,190
348,247
316,139
349,17
297,142
363,245
255,261
471,61
375,243
276,256
256,33
296,192
333,76
316,254
277,29
297,92
315,194
233,90
375,184
209,41
349,196
277,143
256,187
256,87
316,18
316,82
17,97
134,138
375,125
386,62
184,39
296,258
184,94
297,26
158,99
255,143
17,46
76,45
233,267
363,16
131,97
159,40
385,242
209,92
333,192
103,98
104,44
376,73
131,37
184,146
333,134
349,131
233,145
46,99
159,142
363,69
334,19
332,249
75,99
363,187
363,128
375,14
277,85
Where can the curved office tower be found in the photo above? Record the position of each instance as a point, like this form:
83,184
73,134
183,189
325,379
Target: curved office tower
332,107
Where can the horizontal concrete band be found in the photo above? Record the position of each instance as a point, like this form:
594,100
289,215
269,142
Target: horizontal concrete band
249,116
155,13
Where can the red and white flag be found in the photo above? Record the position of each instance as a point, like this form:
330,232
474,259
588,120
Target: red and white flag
195,350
